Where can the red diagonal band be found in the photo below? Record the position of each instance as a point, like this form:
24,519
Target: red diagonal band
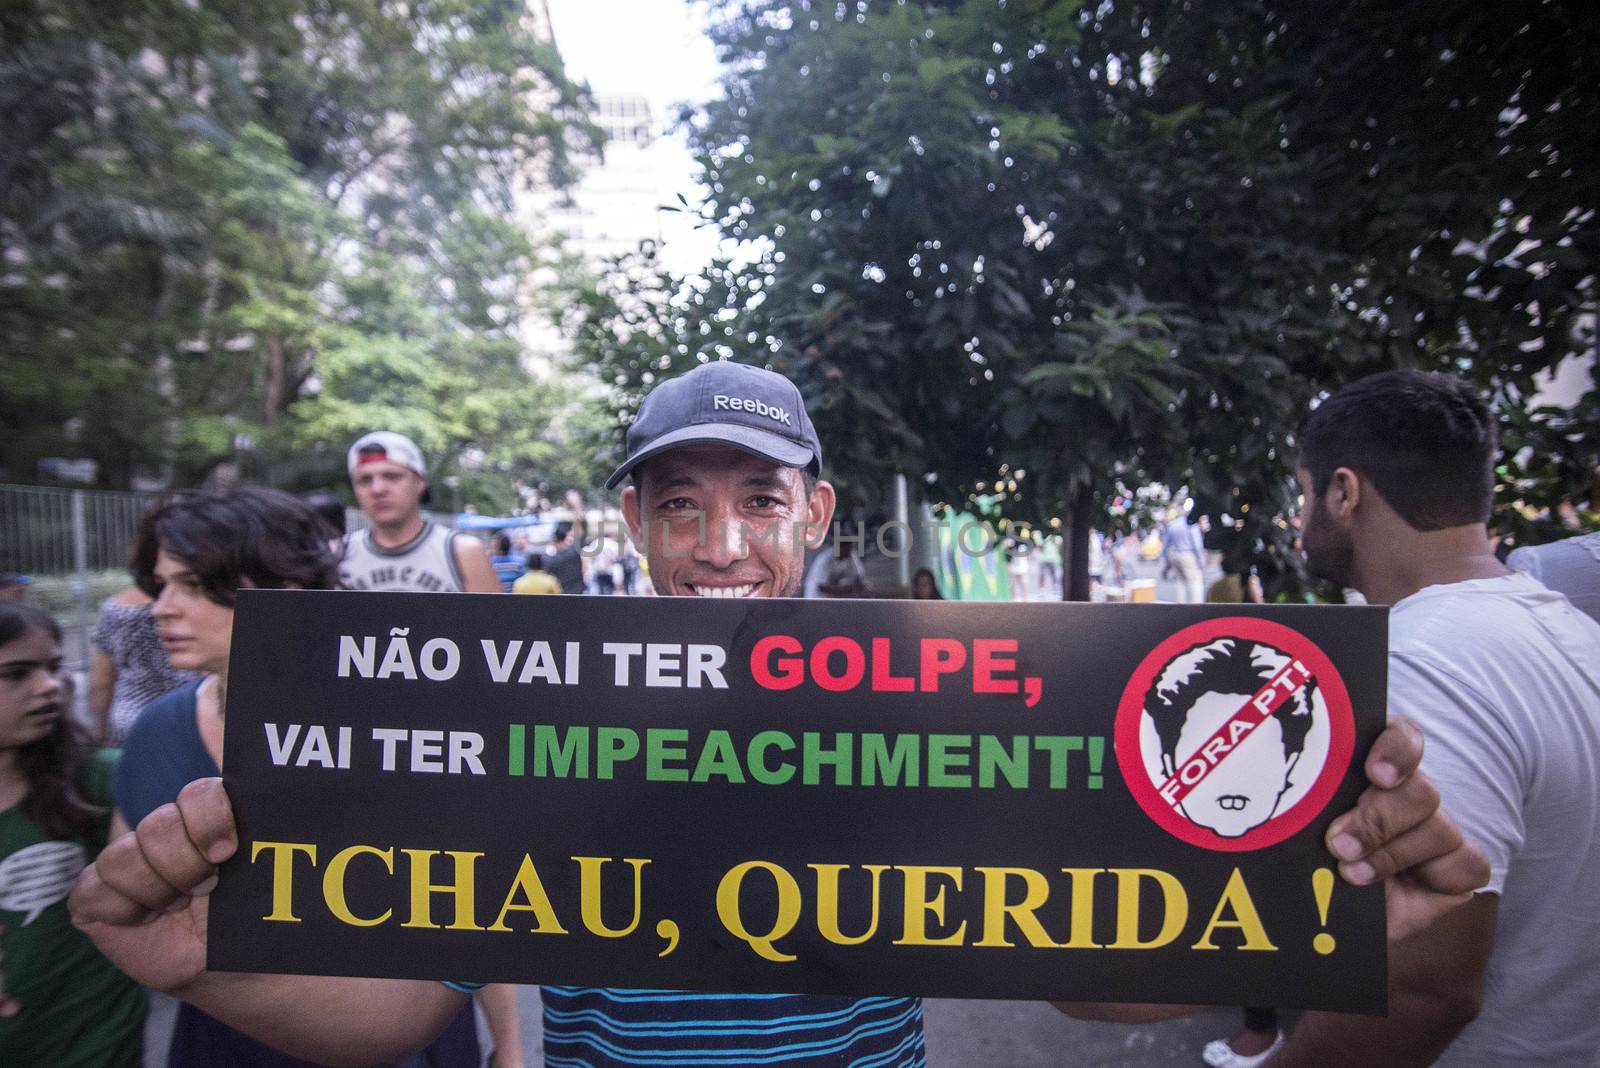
1226,738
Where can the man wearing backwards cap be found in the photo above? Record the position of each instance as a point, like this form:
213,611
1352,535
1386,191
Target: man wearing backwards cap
401,550
731,444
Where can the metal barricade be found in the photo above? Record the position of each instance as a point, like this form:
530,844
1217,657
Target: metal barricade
74,546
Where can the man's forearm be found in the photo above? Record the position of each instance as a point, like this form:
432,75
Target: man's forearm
1436,980
501,1013
331,1020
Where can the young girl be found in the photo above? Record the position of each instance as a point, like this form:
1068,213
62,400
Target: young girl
61,1002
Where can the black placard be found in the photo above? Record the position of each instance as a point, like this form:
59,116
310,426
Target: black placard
1081,802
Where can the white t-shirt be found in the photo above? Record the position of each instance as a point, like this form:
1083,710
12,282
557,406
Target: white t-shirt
1504,677
425,564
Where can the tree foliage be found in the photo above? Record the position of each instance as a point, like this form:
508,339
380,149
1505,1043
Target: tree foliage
1100,246
239,231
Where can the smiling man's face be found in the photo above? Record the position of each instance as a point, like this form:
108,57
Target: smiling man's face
724,523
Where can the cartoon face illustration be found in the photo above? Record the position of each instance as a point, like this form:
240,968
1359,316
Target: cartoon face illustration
1222,771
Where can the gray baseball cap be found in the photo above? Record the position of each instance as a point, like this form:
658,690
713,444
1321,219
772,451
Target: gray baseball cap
724,403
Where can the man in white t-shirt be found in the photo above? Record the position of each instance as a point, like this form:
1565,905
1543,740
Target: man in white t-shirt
1503,674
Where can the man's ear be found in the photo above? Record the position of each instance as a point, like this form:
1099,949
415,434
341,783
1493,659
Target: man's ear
630,515
1344,494
819,512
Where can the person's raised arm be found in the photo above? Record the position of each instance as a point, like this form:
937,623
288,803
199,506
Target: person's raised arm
580,533
144,903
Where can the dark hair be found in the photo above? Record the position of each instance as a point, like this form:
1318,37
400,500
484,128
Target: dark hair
536,561
502,544
562,531
329,507
933,582
1426,441
52,767
252,533
1226,666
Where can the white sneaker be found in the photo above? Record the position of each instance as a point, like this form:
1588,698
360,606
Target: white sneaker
1219,1054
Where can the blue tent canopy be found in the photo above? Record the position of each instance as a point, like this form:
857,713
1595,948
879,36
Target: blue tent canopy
538,528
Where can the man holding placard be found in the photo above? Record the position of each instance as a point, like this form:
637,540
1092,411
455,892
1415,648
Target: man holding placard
724,465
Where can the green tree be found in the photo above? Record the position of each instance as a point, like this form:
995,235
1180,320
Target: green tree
192,202
1131,243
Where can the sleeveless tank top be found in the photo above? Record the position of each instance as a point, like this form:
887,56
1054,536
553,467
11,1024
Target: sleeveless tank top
425,564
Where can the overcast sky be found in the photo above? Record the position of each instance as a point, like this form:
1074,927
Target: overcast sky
657,49
653,47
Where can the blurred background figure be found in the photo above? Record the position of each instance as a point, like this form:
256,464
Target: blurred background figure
1233,588
536,579
1184,549
844,575
403,549
1570,566
508,567
605,567
129,668
629,562
923,586
329,508
564,558
14,587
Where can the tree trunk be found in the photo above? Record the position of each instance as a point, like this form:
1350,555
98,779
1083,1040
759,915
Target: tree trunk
1075,586
272,400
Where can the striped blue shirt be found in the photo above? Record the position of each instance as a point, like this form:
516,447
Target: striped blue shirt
594,1027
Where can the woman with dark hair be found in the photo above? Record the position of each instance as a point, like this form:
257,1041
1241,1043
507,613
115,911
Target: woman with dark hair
61,1002
198,551
924,587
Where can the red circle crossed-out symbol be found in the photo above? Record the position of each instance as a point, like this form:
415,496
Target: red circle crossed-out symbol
1306,662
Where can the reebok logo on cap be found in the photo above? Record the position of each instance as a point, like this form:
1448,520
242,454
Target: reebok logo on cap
696,408
744,404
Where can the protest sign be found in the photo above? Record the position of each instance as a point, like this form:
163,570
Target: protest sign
1082,802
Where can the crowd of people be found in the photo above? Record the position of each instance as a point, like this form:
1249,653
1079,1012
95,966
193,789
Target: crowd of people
1494,948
